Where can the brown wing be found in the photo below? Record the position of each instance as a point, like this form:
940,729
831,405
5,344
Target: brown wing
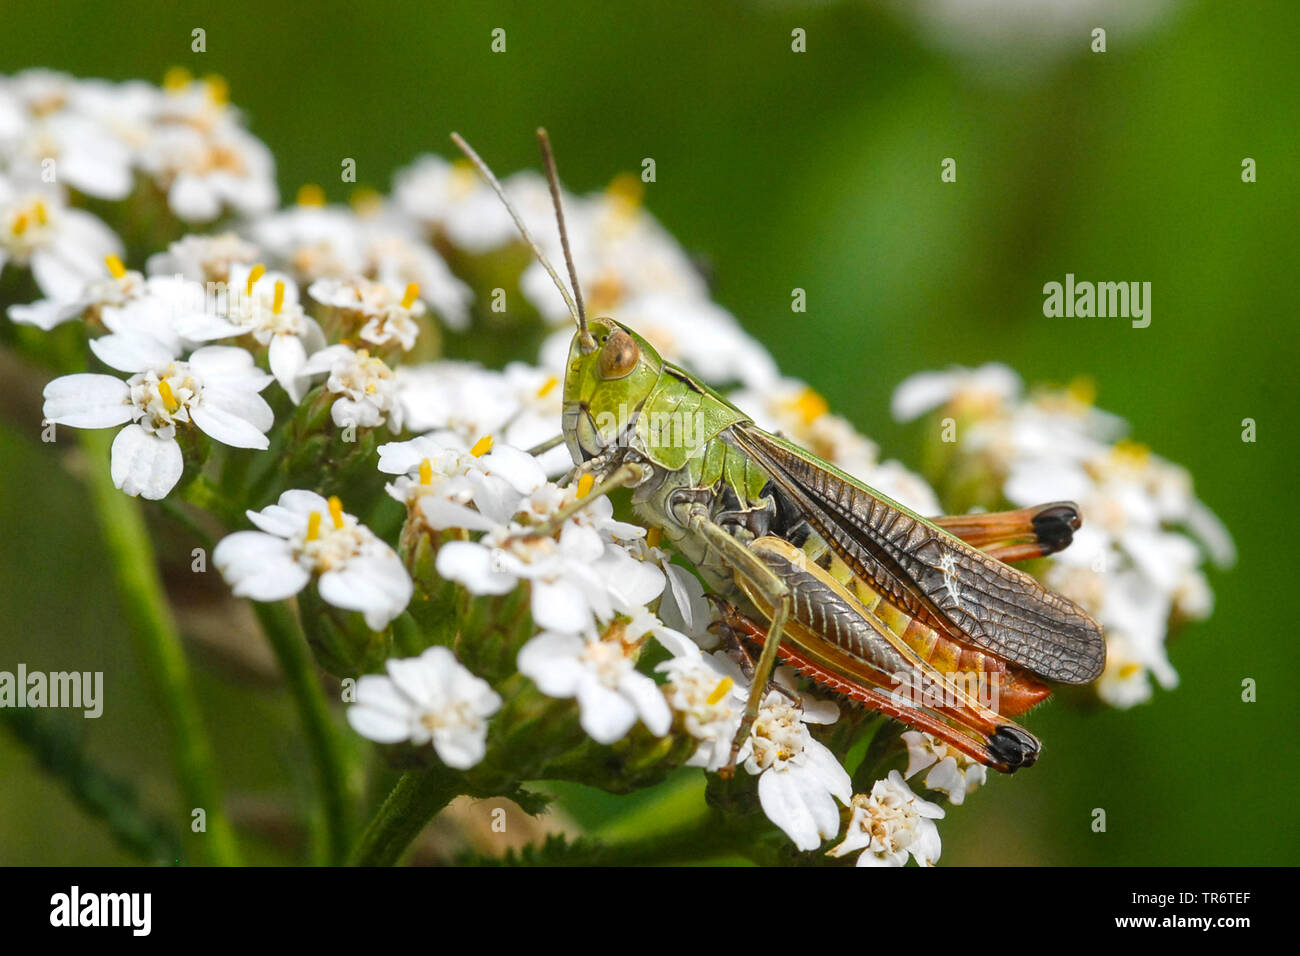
928,572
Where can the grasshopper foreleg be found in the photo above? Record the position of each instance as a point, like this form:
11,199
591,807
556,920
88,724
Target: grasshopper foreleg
626,474
775,593
547,445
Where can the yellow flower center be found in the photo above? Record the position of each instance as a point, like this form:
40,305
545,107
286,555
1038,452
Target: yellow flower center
310,194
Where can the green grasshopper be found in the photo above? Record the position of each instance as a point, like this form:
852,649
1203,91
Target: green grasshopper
870,600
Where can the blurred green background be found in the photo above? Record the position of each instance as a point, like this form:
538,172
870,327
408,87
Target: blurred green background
821,171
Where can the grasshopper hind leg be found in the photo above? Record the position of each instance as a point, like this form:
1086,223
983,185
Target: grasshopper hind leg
775,593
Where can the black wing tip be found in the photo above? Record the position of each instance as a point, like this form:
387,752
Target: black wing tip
1055,524
1013,747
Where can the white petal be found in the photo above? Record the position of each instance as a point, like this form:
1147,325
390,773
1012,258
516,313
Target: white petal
551,662
919,393
375,585
45,314
144,464
827,771
233,417
287,357
132,351
560,606
440,514
800,814
606,714
191,199
471,564
460,747
57,277
289,517
381,712
650,703
259,566
518,468
87,401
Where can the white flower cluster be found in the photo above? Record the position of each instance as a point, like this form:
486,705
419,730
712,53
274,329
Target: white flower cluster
1136,564
340,303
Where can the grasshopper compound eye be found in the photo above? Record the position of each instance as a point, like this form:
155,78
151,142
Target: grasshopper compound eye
618,355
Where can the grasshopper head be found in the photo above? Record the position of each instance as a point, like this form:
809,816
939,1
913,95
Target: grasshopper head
605,386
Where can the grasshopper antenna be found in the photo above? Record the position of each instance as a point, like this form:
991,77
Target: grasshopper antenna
553,180
588,343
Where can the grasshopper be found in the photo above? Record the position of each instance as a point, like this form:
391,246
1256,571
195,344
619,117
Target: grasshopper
865,597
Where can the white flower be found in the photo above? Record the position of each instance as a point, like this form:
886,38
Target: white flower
430,698
116,289
799,779
575,579
611,693
206,162
305,535
333,242
951,771
701,693
1126,681
451,198
215,390
265,306
987,386
455,396
65,248
380,314
366,387
520,406
567,591
425,465
202,258
889,824
85,155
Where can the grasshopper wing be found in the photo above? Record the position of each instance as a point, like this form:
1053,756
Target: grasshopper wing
930,573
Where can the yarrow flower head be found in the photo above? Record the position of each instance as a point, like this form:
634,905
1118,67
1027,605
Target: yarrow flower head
889,824
215,390
365,386
612,694
375,312
950,771
117,289
432,698
305,536
265,307
64,247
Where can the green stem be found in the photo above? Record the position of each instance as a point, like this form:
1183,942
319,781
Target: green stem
419,795
202,494
158,643
101,794
323,739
